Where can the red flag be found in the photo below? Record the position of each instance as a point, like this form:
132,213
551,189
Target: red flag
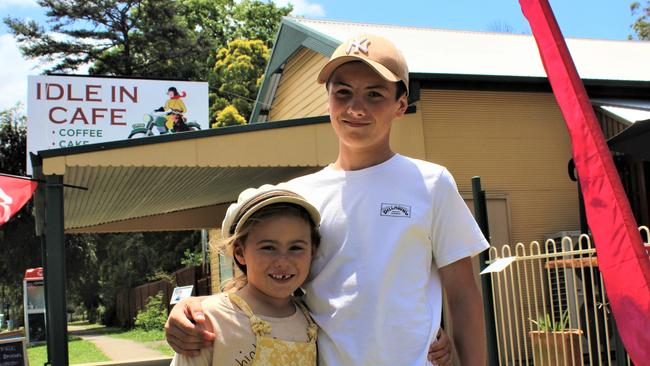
622,258
14,193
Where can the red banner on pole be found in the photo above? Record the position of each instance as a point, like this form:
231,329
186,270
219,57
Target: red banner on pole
14,193
622,258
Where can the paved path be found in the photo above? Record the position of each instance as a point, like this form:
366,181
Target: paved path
117,349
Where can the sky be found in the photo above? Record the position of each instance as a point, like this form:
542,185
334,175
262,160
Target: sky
605,19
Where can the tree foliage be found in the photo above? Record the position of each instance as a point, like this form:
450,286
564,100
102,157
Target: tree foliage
641,25
237,75
229,116
19,245
97,265
149,38
223,41
131,259
153,316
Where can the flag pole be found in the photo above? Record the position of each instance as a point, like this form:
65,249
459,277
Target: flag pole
40,181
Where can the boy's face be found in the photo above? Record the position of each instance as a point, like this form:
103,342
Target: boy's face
362,106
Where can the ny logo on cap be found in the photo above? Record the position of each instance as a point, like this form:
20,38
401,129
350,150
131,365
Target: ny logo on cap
361,45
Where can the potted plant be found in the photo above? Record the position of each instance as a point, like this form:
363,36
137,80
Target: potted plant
554,343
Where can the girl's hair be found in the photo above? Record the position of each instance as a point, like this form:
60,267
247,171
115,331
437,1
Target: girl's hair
228,245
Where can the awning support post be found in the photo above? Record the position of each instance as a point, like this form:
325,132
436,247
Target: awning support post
57,333
481,216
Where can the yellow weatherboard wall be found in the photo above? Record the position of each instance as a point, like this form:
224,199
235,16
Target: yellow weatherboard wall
298,94
516,142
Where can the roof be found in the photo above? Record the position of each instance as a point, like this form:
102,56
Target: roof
431,50
178,182
629,110
442,58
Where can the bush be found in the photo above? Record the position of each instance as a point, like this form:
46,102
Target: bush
154,314
229,116
191,259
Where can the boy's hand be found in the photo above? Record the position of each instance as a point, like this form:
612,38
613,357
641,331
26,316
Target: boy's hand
187,329
440,350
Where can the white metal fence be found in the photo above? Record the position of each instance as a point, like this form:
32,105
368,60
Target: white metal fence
550,306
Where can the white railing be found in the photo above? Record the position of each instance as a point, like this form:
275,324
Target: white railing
550,305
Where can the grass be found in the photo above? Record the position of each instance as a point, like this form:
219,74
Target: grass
164,349
85,324
154,339
79,351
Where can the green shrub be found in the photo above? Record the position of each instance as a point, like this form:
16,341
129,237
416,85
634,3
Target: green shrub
229,116
154,314
546,324
191,258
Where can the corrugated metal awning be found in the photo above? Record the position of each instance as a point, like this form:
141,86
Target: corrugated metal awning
182,182
117,194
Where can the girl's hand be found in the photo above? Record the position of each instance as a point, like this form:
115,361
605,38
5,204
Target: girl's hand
187,330
440,350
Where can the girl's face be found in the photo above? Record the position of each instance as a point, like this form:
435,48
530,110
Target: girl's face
170,93
277,254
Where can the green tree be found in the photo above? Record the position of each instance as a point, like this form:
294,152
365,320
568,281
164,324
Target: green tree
130,259
218,22
258,20
133,37
151,38
238,73
13,133
229,116
641,26
19,245
97,265
82,277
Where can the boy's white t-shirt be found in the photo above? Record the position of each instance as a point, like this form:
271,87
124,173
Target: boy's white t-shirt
374,288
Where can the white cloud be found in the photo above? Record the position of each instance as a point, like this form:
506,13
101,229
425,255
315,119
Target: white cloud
14,70
21,3
303,8
13,73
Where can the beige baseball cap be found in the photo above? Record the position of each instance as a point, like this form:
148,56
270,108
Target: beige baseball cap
252,200
377,52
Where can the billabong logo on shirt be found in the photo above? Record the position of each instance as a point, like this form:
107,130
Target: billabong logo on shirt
395,210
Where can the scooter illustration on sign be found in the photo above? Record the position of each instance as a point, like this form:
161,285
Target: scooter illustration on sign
167,119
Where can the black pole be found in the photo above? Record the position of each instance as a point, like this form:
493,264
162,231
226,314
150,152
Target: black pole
39,207
481,216
47,313
57,333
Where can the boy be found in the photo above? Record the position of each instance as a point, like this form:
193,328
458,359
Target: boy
395,230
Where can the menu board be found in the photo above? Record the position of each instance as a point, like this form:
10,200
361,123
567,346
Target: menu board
12,352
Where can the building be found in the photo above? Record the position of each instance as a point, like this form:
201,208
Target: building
480,105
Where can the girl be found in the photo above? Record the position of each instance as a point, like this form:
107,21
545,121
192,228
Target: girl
272,235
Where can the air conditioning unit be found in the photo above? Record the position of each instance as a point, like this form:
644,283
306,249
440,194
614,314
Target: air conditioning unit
574,287
563,284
